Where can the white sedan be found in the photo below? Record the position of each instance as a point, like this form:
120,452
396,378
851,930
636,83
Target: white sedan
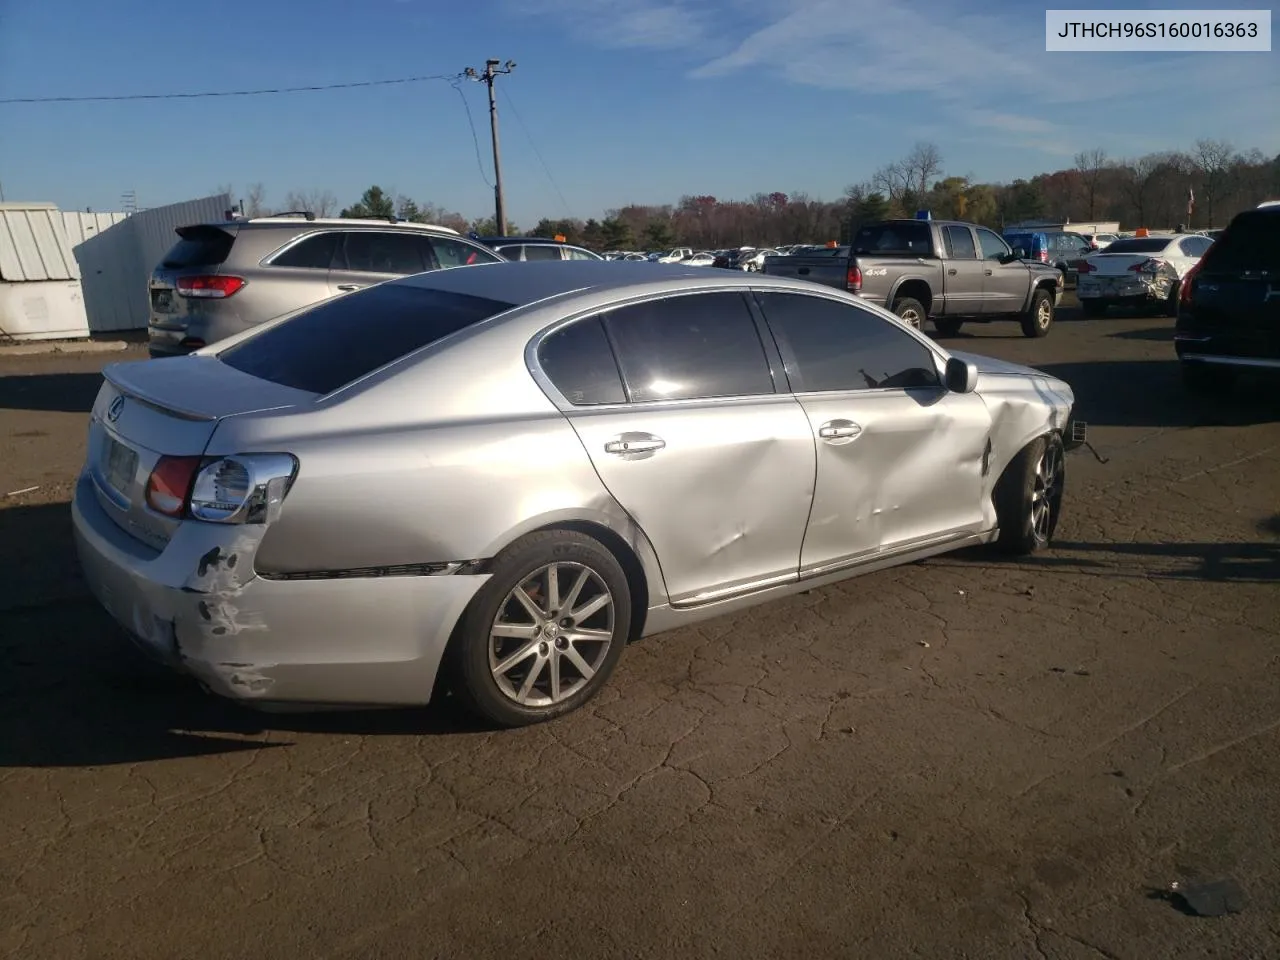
1138,272
700,260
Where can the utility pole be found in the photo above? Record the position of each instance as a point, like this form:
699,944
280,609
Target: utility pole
492,70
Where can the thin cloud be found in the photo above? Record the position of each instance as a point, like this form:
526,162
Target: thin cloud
653,24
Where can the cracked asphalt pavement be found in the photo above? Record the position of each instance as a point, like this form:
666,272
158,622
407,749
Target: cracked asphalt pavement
960,758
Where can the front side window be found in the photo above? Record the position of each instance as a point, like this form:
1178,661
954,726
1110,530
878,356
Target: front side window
828,345
449,252
993,248
696,346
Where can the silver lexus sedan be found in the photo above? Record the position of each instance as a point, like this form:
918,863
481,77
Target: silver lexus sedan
498,475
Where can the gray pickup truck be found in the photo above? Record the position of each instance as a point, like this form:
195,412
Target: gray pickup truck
949,272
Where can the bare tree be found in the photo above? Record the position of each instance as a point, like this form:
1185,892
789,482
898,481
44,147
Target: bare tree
922,166
320,202
1138,179
1213,157
255,201
1090,164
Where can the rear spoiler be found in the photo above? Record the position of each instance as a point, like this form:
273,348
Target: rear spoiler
116,376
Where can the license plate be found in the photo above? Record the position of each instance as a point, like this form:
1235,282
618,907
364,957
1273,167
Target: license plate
121,466
162,300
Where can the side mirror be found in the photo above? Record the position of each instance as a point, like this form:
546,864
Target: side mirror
1019,253
961,377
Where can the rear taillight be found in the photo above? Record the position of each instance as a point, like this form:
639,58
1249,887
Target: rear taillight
1085,267
853,279
170,484
247,488
1184,293
210,288
1044,256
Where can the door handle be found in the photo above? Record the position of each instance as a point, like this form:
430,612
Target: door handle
837,430
349,286
634,445
987,272
951,272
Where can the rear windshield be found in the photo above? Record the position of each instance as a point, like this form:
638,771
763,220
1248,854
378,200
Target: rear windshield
345,338
908,237
1251,242
1137,245
199,247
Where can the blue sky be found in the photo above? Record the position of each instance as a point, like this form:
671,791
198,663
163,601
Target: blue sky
628,101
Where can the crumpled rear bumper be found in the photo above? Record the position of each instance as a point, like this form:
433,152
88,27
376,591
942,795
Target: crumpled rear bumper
199,607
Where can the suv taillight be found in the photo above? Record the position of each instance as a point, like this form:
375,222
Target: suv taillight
1044,256
853,279
1184,293
211,288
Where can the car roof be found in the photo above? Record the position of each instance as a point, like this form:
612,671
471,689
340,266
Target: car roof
529,282
301,221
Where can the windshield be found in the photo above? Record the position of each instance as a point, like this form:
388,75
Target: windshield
343,339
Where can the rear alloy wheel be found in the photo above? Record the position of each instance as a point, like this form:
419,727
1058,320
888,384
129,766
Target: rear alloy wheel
545,632
1039,316
1207,379
1028,497
910,312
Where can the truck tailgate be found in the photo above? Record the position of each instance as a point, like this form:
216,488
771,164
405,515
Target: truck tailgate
830,271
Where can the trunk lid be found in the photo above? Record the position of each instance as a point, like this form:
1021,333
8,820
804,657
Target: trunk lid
171,407
1116,264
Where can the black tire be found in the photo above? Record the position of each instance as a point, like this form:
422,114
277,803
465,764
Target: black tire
518,566
1207,379
1033,481
947,326
1093,308
1039,316
911,311
1171,301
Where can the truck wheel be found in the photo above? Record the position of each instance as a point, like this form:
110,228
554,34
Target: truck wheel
1093,308
1171,301
911,311
1039,317
947,326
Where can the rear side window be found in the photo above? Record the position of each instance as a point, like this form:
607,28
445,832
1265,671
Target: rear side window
199,247
312,253
580,362
346,338
1251,242
960,245
904,237
689,347
369,251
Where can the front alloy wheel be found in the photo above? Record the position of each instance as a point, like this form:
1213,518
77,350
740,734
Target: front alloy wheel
1028,496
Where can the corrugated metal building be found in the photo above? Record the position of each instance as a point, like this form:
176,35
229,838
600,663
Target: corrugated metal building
40,293
66,274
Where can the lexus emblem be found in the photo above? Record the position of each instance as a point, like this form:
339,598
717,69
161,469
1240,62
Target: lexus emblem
113,411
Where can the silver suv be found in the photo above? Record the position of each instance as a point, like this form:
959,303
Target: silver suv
221,278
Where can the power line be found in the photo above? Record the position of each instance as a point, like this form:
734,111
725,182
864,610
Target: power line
475,139
537,153
231,93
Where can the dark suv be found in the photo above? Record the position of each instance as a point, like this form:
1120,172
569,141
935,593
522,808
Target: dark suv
222,278
1229,307
1062,248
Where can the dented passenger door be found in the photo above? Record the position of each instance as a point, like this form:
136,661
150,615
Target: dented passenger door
901,459
674,400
